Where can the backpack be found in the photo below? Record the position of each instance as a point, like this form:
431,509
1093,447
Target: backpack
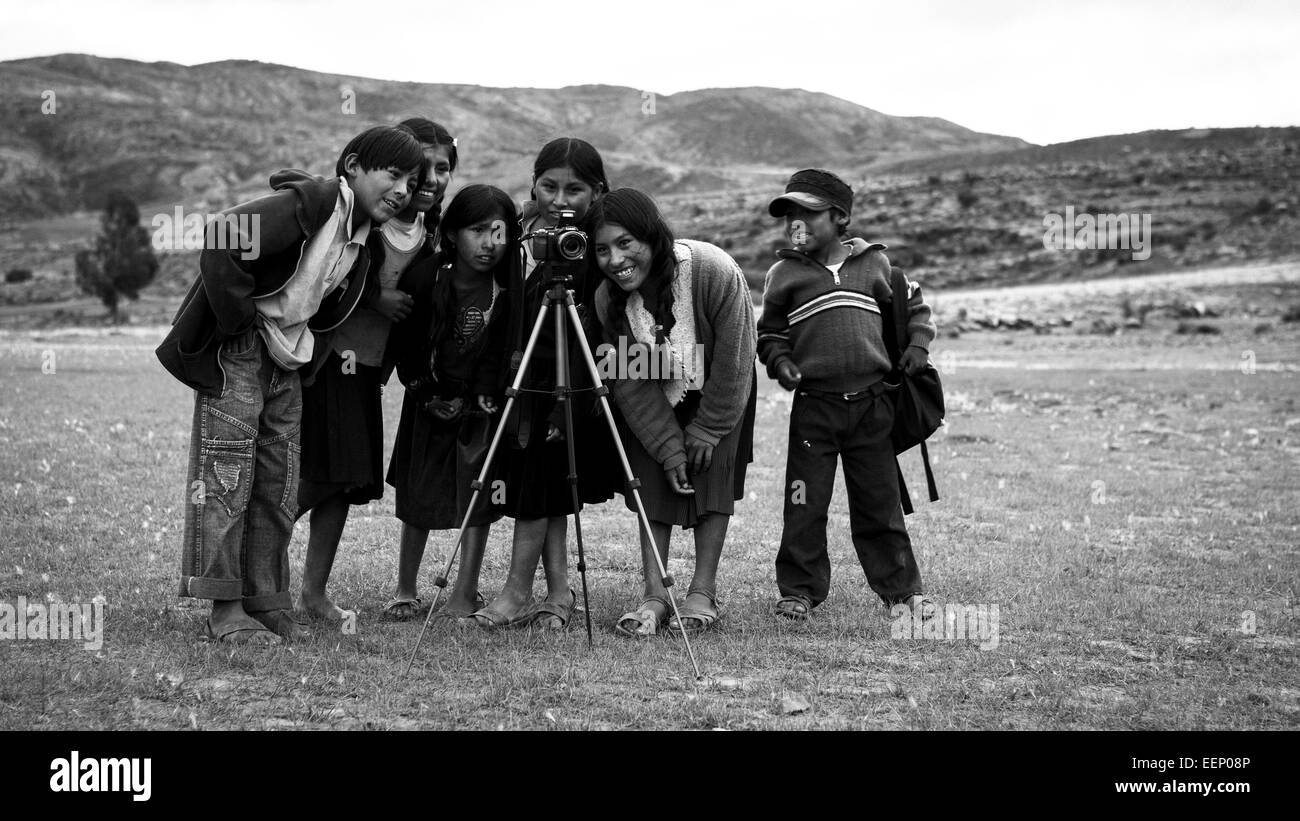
918,399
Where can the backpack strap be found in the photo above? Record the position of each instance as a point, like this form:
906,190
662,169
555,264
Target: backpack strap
902,488
898,287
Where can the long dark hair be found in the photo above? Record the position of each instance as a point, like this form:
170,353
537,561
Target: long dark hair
640,217
430,133
471,205
571,152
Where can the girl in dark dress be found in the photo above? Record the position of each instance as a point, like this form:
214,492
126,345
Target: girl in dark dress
567,175
446,361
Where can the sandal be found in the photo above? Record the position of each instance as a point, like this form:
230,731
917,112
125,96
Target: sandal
645,621
493,621
546,609
921,605
693,621
254,634
403,609
479,604
795,608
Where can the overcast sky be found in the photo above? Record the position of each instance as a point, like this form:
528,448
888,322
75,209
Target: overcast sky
1043,70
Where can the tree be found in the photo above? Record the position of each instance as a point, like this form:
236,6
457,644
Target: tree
122,261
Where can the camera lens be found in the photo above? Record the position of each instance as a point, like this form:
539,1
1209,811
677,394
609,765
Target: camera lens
572,245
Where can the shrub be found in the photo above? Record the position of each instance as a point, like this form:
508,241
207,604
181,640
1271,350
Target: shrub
123,261
18,274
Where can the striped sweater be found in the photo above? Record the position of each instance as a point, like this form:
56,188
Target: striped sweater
830,324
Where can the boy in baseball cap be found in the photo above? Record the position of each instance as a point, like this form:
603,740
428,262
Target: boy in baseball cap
821,335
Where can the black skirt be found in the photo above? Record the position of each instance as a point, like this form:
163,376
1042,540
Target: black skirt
342,436
716,489
537,475
434,463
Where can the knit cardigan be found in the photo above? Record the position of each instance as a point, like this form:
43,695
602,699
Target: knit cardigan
724,325
830,324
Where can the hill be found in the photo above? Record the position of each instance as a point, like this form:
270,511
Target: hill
207,135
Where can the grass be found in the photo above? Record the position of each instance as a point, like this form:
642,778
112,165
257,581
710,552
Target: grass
1122,519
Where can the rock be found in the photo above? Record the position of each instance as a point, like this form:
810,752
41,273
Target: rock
794,704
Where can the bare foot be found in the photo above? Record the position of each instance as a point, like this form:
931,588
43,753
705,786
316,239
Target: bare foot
319,608
282,623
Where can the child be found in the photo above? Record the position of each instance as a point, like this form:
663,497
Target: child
567,175
244,330
461,301
821,333
343,421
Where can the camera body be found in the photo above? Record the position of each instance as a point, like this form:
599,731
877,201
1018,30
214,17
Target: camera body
563,246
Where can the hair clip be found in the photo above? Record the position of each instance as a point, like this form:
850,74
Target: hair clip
455,142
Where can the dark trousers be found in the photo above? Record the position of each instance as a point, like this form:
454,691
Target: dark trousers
856,429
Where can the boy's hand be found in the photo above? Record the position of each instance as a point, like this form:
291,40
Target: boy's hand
914,359
486,404
788,375
678,480
553,433
393,305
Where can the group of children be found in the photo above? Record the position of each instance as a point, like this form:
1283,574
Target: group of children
364,273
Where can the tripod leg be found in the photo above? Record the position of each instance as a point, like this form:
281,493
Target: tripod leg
564,394
632,482
477,485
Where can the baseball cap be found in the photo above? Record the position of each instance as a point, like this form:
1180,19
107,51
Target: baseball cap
816,190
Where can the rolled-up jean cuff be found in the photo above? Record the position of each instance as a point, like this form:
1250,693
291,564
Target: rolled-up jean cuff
199,587
268,601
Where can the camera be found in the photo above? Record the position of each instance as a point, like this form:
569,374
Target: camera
561,246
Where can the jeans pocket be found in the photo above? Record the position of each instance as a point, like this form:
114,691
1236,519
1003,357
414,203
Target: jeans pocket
228,473
289,498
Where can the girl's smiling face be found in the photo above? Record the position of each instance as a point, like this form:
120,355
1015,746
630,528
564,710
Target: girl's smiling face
481,246
622,257
560,189
437,178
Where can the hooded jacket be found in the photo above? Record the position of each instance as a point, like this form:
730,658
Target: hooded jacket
219,304
830,323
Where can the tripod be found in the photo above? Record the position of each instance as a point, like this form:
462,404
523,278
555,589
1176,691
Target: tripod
558,301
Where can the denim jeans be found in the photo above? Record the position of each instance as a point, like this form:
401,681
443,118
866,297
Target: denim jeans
242,489
857,430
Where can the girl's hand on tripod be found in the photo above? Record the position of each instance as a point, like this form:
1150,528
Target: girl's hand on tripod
678,480
486,404
553,433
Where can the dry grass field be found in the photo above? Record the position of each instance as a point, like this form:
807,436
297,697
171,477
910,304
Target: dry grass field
1130,503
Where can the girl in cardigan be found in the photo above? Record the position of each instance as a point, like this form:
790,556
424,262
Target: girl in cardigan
460,308
343,421
689,419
